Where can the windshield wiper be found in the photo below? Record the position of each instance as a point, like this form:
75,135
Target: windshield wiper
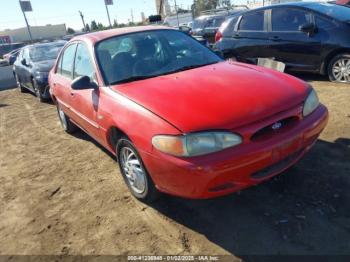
188,67
131,79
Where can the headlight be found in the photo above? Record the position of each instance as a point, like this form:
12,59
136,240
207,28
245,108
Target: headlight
41,75
196,144
311,103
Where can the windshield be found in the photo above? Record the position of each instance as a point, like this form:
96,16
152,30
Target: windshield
337,11
149,54
46,52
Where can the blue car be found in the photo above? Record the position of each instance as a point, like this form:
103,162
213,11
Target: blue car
32,67
12,56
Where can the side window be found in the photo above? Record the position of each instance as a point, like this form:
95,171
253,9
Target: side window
252,22
59,65
233,23
287,19
20,55
323,23
26,54
68,61
83,64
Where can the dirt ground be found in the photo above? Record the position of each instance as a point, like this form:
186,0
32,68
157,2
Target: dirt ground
63,194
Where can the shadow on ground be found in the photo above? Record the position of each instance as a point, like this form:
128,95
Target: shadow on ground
304,211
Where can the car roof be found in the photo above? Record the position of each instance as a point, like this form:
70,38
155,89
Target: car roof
101,35
47,44
308,5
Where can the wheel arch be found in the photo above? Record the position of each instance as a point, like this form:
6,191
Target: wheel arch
329,57
114,134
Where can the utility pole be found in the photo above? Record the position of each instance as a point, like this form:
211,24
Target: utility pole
177,14
132,16
108,2
26,7
82,19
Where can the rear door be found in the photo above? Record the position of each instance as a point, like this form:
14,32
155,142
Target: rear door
299,50
63,78
251,36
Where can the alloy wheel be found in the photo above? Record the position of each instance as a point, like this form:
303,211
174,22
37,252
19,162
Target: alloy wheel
133,170
341,70
62,117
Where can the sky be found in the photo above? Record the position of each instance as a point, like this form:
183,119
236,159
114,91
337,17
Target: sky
66,11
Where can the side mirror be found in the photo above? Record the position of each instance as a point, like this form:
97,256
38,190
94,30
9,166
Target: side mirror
308,28
24,62
83,82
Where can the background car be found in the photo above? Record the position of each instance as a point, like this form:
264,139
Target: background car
207,25
310,37
31,69
179,118
12,56
3,62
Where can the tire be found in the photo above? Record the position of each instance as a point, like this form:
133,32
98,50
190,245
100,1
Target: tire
66,124
19,85
38,92
139,183
339,69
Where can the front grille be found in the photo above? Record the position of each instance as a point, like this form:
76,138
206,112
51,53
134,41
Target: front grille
275,128
279,166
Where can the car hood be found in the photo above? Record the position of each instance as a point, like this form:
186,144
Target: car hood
220,96
43,66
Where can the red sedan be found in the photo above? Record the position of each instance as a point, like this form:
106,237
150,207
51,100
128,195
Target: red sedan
180,119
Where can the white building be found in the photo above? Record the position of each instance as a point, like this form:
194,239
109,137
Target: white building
38,33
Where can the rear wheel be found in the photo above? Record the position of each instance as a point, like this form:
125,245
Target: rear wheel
134,172
339,69
66,124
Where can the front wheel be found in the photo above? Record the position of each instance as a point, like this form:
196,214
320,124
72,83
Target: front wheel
19,85
134,172
339,69
66,124
38,92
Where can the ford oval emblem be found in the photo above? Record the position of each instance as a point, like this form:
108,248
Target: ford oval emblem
276,126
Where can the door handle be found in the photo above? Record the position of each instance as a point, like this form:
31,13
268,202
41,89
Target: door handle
236,35
275,38
71,93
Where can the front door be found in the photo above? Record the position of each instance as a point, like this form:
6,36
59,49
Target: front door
85,102
288,44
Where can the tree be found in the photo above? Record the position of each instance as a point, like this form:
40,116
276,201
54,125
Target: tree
203,5
100,27
70,31
115,23
225,3
94,25
87,28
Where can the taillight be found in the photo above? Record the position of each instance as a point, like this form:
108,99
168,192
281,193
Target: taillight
218,36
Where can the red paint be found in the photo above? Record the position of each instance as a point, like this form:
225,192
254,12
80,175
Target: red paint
226,96
343,2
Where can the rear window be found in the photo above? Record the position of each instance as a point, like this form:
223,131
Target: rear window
198,24
215,22
336,11
252,22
